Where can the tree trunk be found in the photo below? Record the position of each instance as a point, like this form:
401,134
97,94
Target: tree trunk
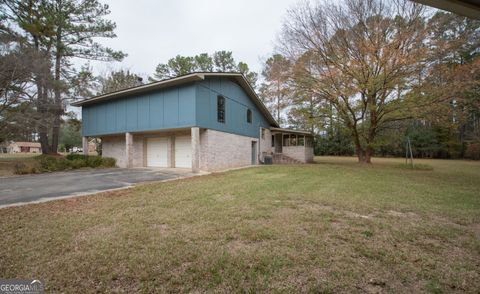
42,100
58,108
360,154
368,155
363,154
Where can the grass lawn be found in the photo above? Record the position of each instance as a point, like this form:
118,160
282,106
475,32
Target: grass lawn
334,226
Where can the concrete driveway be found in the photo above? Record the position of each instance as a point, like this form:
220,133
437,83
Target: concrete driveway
43,187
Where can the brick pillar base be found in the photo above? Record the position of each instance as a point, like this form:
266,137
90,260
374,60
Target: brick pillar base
129,149
85,145
195,149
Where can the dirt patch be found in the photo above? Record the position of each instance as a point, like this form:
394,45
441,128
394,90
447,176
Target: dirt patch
224,197
161,228
476,230
357,215
239,245
410,215
92,233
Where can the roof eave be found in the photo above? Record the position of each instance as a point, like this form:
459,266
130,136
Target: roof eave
469,9
141,89
251,92
303,132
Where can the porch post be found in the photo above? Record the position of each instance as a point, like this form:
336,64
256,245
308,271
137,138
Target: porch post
171,152
85,145
195,149
129,150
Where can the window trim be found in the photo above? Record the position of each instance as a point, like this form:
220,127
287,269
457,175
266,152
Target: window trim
221,109
249,116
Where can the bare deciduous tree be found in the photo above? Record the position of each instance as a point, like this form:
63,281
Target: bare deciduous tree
275,91
358,55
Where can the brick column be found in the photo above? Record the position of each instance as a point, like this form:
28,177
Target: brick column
195,149
129,150
171,151
85,145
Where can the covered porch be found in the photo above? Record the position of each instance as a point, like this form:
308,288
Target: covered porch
292,143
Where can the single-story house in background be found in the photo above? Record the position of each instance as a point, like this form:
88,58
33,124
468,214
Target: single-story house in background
92,146
21,147
202,121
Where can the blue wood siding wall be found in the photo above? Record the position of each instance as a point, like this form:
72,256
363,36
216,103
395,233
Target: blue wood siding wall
183,106
237,102
162,109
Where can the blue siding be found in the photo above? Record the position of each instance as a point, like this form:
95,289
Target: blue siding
184,106
236,104
156,109
171,108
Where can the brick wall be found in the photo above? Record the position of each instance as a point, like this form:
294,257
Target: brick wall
220,150
265,143
300,153
115,147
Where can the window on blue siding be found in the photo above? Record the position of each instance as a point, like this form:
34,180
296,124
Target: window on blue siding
249,116
221,109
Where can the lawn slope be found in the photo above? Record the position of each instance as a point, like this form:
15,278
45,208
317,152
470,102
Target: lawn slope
334,226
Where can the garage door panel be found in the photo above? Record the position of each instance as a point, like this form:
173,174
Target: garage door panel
157,152
183,151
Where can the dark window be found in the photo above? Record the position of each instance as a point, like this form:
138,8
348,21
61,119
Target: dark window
249,116
221,109
273,141
293,140
263,133
301,141
286,140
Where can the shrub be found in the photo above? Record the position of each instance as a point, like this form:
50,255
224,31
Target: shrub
108,162
94,161
77,163
21,168
49,163
52,163
473,151
73,156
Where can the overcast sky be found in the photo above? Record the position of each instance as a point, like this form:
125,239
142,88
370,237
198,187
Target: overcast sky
151,32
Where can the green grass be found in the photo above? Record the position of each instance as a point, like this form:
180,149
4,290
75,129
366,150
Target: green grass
334,226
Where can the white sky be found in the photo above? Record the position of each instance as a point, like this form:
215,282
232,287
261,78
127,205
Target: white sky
152,32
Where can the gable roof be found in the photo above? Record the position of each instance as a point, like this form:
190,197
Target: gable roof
176,81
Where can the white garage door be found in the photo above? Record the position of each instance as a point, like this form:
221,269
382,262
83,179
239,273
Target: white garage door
183,152
157,152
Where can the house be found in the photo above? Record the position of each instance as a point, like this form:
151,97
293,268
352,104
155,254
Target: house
468,8
202,121
21,147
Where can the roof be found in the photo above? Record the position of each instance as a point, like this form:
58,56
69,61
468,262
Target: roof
27,144
180,80
468,8
291,131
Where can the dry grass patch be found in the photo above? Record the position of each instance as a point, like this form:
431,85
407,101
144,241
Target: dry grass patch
335,226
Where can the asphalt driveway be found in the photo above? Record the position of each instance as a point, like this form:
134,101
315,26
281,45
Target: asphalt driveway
44,187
